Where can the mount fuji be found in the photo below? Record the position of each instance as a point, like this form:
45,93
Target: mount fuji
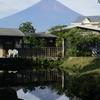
44,15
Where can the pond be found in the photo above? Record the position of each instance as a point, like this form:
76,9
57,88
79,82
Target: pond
45,93
38,85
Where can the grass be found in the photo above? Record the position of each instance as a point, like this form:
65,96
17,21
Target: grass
75,65
86,72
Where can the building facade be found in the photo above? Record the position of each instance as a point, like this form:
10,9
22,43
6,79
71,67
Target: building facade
88,21
9,39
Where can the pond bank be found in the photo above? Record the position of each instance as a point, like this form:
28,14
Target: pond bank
84,76
28,63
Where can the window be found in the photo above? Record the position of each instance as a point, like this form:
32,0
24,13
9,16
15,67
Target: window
8,42
18,43
51,40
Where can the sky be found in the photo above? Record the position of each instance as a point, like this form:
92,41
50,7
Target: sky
84,7
29,96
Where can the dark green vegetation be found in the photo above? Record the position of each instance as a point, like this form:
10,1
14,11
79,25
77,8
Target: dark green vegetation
27,63
83,77
83,72
27,27
78,41
31,41
53,86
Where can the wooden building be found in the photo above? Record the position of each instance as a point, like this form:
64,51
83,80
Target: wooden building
13,39
9,39
50,39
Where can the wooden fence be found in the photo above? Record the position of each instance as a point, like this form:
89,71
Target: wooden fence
40,52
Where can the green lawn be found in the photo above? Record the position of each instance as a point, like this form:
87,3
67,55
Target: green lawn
86,73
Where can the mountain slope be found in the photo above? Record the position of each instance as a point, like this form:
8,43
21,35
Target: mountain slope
43,15
45,94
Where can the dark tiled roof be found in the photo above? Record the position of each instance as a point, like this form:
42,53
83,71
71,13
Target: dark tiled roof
10,32
90,18
42,34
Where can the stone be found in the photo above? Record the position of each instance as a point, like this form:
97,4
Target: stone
8,94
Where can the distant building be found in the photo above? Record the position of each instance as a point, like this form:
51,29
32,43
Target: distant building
88,21
94,30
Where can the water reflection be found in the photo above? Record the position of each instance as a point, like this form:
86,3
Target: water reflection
50,85
44,93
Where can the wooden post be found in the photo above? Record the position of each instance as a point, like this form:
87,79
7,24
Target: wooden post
22,77
63,47
63,79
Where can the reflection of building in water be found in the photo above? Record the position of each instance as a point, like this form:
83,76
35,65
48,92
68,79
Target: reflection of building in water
39,76
16,77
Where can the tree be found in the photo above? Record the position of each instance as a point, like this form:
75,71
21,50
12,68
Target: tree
59,32
30,41
79,44
74,42
56,29
42,42
27,27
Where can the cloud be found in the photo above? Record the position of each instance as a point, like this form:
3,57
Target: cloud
84,7
9,7
26,96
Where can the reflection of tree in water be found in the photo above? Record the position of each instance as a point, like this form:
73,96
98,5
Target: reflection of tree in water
45,91
51,91
45,94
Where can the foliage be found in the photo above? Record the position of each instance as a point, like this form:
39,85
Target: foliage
59,39
46,63
42,42
92,39
28,63
80,41
55,29
59,32
30,41
27,27
74,43
52,86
